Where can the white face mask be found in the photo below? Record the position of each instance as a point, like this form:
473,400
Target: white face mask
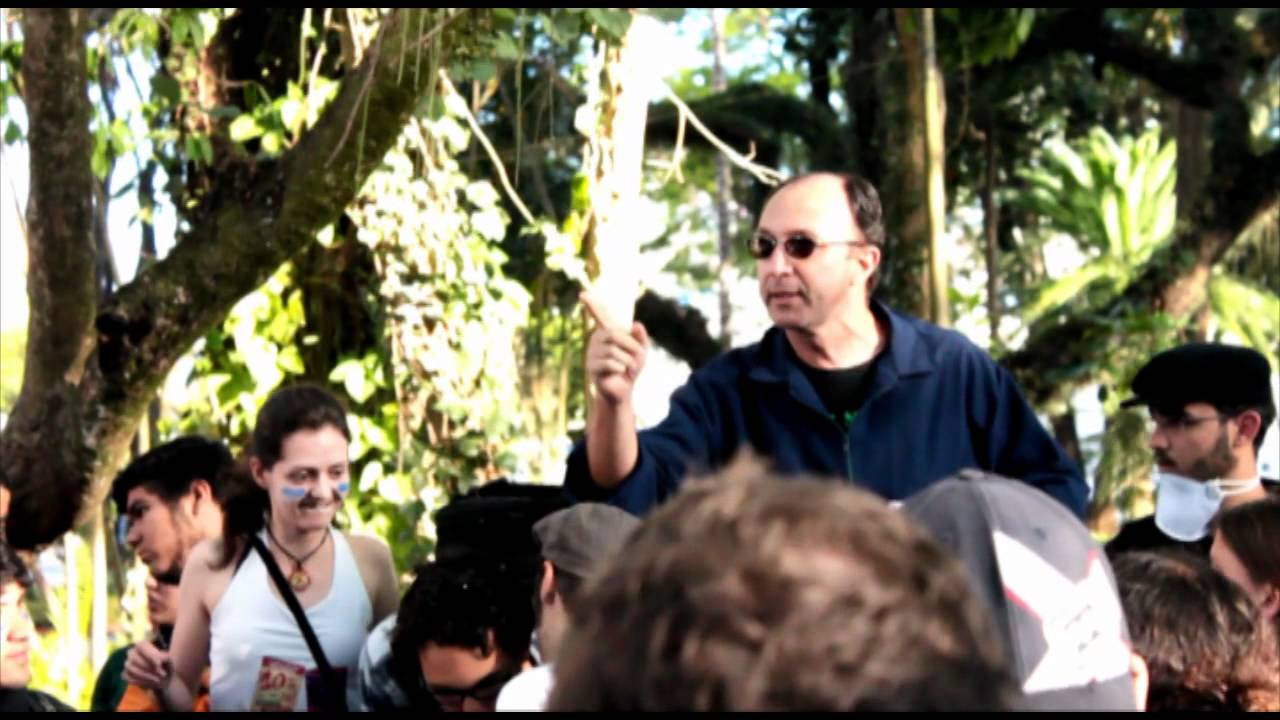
1185,507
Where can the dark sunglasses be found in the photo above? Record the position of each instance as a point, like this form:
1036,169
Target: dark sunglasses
484,691
796,246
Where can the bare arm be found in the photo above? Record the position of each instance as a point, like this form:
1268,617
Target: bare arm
378,571
175,674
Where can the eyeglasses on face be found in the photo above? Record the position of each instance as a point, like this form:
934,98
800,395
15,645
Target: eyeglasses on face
797,246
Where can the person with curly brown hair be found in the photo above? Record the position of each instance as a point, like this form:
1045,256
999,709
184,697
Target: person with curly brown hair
1244,551
1205,644
749,592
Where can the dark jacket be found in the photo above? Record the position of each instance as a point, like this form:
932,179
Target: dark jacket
935,404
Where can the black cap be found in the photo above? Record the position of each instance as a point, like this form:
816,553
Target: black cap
1220,375
495,521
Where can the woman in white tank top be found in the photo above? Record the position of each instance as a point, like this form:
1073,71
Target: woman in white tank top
231,616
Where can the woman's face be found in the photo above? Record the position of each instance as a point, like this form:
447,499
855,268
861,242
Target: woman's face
15,636
309,481
1228,565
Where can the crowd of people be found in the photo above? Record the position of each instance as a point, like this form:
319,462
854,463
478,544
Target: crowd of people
858,512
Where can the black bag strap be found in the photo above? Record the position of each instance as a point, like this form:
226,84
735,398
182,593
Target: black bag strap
337,691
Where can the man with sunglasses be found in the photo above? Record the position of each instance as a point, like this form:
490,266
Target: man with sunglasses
841,386
167,502
1210,406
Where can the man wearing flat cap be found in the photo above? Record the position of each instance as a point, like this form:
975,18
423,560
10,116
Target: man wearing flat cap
1211,406
577,544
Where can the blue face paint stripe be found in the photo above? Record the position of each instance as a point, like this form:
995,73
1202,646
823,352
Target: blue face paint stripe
293,494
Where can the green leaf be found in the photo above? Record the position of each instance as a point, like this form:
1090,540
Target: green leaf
272,142
12,133
165,87
351,373
340,372
181,28
505,48
370,475
670,15
1060,291
199,149
296,311
1026,18
291,115
244,128
290,361
325,236
564,28
613,22
483,70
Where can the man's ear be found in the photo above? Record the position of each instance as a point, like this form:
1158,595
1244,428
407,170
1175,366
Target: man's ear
200,491
547,588
1141,679
490,646
1271,602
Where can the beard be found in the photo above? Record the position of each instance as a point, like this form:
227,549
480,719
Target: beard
1216,463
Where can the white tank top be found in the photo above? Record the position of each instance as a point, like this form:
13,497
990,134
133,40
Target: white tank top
250,622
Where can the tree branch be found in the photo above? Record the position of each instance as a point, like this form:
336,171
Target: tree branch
41,449
254,217
1084,30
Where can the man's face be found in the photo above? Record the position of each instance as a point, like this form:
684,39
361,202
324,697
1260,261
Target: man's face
15,637
161,533
1195,443
809,293
465,679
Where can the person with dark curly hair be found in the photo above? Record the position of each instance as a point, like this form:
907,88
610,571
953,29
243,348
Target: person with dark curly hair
1205,645
466,624
464,633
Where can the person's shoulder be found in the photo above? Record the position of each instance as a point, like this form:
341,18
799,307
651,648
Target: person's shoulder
732,364
368,549
204,556
527,691
44,702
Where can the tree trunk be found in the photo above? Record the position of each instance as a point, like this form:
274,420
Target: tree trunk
613,159
1064,431
724,185
991,227
933,101
44,457
254,216
910,256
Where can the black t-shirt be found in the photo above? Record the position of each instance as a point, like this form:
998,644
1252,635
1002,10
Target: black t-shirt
1143,534
25,700
842,391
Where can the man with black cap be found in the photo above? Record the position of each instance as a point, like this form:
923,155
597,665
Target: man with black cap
1210,408
577,544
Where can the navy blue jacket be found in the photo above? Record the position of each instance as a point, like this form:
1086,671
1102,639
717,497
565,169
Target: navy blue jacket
936,404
